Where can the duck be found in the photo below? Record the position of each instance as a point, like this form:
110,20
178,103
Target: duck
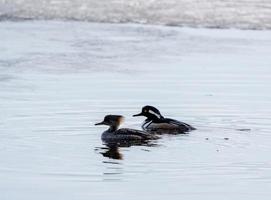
123,135
155,122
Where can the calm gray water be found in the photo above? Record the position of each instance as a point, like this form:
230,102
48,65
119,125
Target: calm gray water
58,78
244,14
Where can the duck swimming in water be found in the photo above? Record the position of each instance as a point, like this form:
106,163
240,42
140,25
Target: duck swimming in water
155,122
115,135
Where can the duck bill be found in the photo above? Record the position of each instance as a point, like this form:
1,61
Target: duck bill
100,123
139,114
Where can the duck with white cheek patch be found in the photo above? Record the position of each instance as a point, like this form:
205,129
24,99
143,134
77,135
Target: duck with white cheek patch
156,123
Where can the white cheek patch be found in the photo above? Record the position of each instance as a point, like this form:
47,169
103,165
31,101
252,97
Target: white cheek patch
157,115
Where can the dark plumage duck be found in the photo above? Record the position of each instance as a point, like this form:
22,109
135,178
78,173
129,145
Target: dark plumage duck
115,135
155,122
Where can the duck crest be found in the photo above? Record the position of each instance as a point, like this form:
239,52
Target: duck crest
113,121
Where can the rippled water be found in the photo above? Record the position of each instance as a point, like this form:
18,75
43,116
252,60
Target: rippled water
58,78
244,14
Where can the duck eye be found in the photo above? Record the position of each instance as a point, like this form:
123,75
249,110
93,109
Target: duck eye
144,110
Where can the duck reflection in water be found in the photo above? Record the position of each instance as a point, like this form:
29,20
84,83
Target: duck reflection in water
112,150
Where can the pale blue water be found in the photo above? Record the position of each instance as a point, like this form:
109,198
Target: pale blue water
59,78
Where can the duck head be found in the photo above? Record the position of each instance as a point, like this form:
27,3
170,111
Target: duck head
113,121
150,112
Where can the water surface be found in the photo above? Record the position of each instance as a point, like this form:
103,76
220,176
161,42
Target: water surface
59,78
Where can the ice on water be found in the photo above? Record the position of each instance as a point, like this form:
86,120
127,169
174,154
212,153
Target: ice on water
246,14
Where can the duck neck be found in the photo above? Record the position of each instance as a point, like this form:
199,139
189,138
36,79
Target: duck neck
154,118
113,128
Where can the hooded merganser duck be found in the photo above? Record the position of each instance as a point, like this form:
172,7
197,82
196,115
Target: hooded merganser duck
115,135
155,122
